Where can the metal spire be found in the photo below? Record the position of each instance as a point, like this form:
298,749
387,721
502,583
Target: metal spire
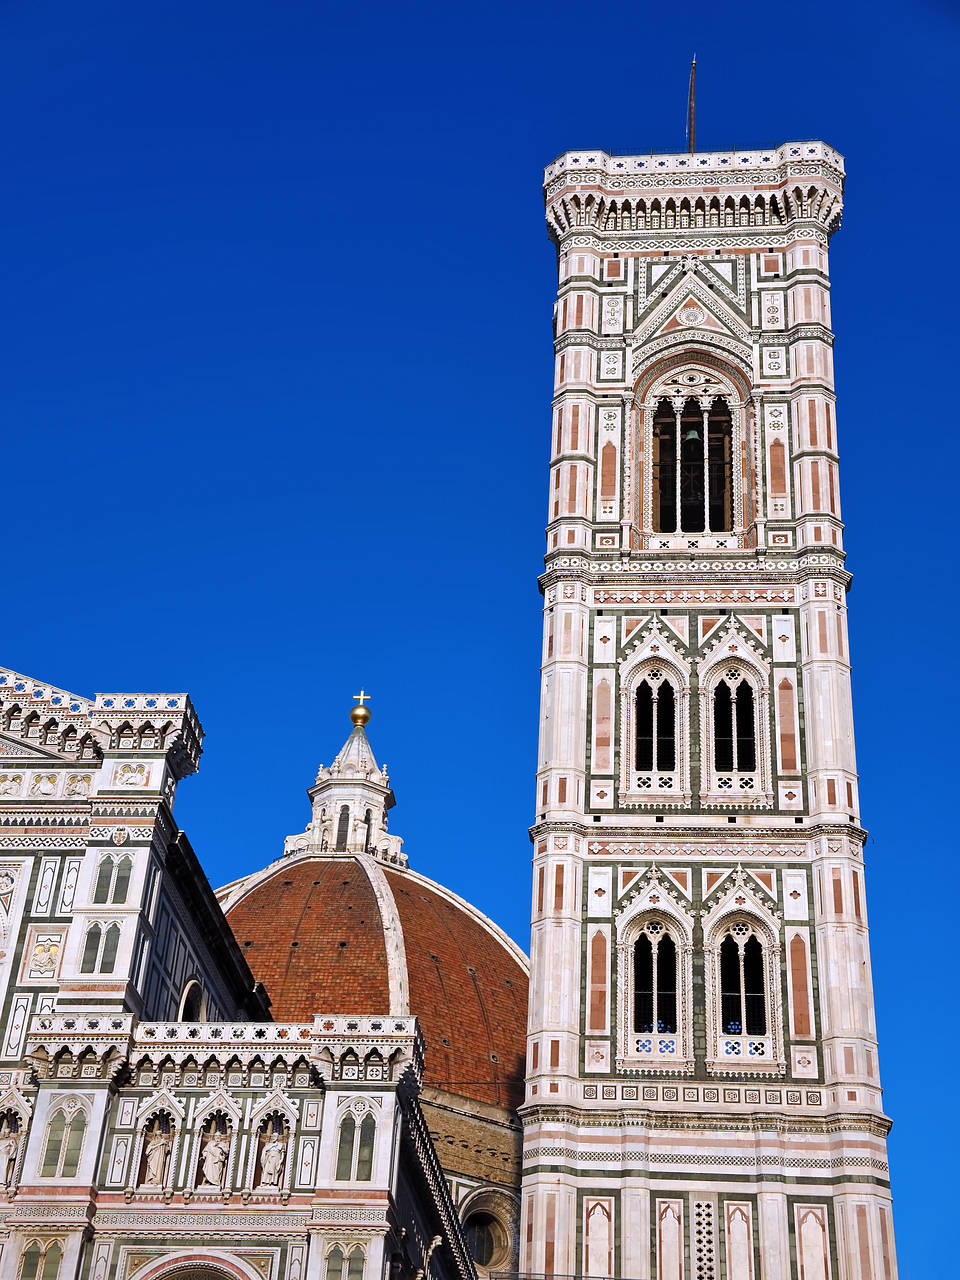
692,107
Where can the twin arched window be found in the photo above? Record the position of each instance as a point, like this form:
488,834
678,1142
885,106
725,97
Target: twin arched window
731,734
654,980
655,745
655,1023
100,949
743,1001
734,725
345,1267
61,1152
692,466
355,1149
113,880
41,1261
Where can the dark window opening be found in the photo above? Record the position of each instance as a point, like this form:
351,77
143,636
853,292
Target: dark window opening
655,982
656,726
734,727
343,829
743,1006
692,468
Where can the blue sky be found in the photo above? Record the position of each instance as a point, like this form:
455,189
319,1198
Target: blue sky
276,382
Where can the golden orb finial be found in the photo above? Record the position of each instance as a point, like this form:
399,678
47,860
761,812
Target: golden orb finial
360,715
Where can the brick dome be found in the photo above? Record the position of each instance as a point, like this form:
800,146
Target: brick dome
347,934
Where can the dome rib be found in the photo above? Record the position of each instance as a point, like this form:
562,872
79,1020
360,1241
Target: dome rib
374,938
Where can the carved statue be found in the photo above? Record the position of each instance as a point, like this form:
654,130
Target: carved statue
44,784
158,1157
272,1159
10,784
214,1159
9,1145
78,784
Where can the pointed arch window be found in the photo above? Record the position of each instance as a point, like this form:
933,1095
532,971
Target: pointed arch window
355,1149
61,1152
734,725
41,1261
653,759
653,994
656,723
692,466
345,1267
655,980
100,948
745,964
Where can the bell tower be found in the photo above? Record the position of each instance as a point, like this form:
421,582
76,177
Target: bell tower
703,1096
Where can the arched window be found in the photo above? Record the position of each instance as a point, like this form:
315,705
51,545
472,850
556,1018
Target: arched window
734,725
61,1152
655,980
343,829
367,829
91,949
355,1149
101,890
341,1268
656,724
113,880
743,1003
191,1002
692,466
41,1261
100,949
111,944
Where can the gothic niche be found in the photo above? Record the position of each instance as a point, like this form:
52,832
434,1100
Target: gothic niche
214,1149
157,1148
10,1133
273,1137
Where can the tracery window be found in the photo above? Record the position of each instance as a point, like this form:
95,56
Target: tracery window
745,1010
656,723
734,754
355,1149
655,980
654,991
61,1152
692,465
654,711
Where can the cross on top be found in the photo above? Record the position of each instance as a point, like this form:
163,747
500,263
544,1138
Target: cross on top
362,697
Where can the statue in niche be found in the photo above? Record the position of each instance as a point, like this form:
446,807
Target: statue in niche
213,1161
9,1146
272,1159
157,1150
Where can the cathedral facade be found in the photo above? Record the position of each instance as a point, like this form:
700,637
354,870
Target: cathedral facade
333,1068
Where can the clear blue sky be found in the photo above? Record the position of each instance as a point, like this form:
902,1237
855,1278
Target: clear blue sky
277,364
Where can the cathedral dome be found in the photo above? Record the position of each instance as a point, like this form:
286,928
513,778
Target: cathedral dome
352,933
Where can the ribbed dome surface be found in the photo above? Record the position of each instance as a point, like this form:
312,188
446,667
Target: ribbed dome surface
465,980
